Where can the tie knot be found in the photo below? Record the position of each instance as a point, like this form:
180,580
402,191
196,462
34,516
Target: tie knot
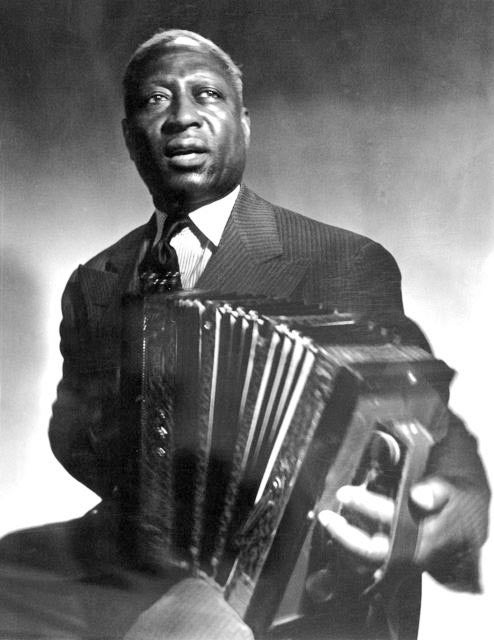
172,226
159,270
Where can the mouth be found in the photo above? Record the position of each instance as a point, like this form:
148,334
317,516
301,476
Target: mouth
186,152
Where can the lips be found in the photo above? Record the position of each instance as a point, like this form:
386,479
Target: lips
185,147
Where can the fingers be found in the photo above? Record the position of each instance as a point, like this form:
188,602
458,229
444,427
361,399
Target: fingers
367,503
445,527
431,495
370,548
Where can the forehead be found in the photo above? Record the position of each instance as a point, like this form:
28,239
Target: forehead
175,62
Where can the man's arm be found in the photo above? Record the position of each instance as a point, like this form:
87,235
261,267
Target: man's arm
85,413
451,509
452,501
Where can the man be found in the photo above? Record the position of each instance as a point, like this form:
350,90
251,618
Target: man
187,130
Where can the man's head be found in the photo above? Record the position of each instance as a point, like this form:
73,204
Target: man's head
186,127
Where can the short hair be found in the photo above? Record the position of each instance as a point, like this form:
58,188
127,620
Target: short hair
178,37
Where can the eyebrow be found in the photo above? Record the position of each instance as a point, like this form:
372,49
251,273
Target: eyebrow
207,76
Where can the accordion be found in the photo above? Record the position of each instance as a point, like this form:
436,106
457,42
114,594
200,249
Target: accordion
250,414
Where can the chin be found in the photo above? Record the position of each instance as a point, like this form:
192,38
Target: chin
187,187
188,181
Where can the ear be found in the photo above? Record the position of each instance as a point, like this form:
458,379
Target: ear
129,138
245,121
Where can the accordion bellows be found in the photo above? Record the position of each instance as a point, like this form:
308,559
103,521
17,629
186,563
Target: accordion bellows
254,411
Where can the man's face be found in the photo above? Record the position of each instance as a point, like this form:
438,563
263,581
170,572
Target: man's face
188,133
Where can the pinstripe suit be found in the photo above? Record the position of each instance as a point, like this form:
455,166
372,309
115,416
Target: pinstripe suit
264,249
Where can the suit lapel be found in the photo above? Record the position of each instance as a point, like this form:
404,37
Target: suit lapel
102,289
98,288
249,258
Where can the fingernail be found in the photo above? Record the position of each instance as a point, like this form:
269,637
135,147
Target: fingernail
423,496
344,494
326,517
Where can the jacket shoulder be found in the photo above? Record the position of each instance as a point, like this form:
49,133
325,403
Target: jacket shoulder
318,241
348,269
119,250
111,258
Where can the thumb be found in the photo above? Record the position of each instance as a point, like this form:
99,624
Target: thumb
430,495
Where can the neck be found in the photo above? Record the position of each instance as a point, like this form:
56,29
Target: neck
181,204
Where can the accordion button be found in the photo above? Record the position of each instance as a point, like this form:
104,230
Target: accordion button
277,483
162,431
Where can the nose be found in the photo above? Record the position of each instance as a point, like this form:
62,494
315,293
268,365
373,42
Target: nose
183,114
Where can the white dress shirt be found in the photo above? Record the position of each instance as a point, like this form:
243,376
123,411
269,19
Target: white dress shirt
196,243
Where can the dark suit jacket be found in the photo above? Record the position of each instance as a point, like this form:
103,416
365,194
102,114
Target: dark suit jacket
265,249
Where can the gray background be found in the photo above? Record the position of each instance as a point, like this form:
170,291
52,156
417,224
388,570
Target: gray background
372,115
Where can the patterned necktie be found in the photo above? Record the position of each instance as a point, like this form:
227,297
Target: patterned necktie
159,271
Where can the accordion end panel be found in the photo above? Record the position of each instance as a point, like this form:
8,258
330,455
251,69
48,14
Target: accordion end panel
404,399
253,414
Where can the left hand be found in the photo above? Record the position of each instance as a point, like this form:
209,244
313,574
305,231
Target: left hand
193,609
444,522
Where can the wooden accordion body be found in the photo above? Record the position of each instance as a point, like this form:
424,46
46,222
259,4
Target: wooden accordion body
252,414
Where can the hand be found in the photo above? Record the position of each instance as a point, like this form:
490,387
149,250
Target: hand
370,548
452,523
193,609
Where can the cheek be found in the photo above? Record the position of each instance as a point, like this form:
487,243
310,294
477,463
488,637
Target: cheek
232,139
149,146
224,126
148,128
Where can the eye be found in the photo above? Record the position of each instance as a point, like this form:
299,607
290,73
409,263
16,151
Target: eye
207,94
156,98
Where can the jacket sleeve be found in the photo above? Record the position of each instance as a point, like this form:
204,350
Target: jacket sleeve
456,460
377,278
84,421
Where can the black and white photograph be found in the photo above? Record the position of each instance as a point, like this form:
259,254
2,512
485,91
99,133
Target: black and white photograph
246,307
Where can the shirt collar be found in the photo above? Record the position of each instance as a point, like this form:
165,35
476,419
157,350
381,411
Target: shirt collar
210,219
